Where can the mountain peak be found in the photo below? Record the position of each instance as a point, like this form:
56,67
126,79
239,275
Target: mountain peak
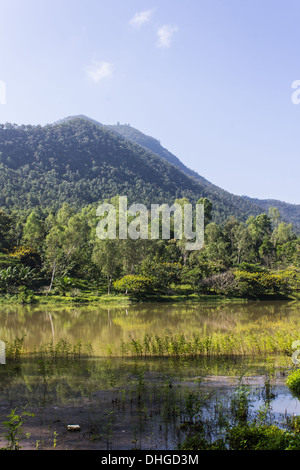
78,116
85,162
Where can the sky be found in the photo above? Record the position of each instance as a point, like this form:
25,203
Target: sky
211,79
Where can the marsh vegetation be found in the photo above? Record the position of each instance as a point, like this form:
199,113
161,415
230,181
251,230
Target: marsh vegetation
150,377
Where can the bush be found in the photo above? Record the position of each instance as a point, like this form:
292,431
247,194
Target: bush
247,284
11,278
27,256
293,381
260,283
253,437
247,437
223,284
251,267
161,273
133,283
7,261
25,296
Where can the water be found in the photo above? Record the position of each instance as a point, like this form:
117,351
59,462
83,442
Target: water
138,403
103,326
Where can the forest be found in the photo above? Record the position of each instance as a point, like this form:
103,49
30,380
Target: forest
57,254
53,178
81,163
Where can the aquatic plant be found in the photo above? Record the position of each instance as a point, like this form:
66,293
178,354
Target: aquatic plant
293,381
15,349
237,343
13,428
253,437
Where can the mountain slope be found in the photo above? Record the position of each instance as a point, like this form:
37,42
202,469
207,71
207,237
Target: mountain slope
288,212
81,161
154,146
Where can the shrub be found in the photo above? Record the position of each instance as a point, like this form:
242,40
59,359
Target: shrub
11,278
25,296
253,437
162,274
223,284
293,381
251,267
27,256
13,427
242,283
260,283
133,283
63,285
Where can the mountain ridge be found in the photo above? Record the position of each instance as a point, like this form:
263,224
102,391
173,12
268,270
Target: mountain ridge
289,212
84,161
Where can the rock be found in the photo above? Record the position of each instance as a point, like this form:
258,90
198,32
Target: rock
73,427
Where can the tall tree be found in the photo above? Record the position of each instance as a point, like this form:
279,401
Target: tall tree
6,235
33,233
107,257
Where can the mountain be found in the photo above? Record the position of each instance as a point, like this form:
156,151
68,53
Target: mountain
81,161
289,212
146,141
154,146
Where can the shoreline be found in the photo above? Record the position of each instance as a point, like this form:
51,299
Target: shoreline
127,300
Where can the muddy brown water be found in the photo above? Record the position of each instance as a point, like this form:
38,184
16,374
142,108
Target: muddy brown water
132,403
104,326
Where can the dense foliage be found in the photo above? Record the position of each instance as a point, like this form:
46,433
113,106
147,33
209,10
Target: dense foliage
289,212
82,162
52,250
52,179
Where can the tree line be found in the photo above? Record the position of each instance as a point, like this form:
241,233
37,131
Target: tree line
55,249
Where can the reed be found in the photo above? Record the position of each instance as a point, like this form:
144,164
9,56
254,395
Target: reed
218,344
16,349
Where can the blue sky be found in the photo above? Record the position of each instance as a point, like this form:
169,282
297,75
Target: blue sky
211,79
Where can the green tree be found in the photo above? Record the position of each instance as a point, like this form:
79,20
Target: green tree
216,246
207,209
283,233
6,227
33,232
107,257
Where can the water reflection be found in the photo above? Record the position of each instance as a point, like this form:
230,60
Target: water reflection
133,403
111,325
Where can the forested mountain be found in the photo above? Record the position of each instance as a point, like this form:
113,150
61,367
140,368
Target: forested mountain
289,212
81,161
154,146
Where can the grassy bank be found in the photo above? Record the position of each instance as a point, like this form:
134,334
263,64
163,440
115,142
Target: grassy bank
121,299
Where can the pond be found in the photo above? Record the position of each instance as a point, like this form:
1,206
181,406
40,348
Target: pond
105,326
143,402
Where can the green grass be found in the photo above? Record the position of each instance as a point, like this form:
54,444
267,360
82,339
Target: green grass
114,298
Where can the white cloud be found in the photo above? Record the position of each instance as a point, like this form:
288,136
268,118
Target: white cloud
99,71
165,35
141,18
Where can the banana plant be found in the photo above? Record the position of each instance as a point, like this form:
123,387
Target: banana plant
16,276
